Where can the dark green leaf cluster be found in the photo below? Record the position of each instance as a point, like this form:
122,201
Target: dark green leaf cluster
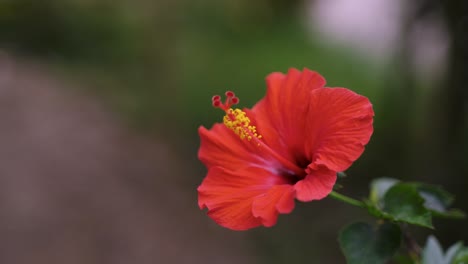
412,203
398,204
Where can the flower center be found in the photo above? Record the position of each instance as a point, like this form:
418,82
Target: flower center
239,123
236,119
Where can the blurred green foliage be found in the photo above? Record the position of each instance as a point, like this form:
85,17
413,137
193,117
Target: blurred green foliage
206,53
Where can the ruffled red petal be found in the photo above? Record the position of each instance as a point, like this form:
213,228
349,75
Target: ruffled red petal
231,196
278,199
339,126
282,114
316,185
219,146
306,122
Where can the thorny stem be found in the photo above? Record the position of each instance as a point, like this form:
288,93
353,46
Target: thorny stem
346,199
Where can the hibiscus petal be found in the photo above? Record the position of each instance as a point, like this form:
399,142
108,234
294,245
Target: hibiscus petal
220,146
278,199
339,127
290,92
229,195
281,114
316,185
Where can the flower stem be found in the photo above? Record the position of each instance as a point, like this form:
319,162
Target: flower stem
346,199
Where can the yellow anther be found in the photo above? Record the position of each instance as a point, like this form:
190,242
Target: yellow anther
237,121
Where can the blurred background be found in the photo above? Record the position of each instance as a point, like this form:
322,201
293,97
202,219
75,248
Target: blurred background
100,102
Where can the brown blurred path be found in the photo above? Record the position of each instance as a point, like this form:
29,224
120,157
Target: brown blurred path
76,186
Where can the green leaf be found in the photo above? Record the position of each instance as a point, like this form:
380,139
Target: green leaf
452,213
461,257
403,203
379,187
437,200
363,244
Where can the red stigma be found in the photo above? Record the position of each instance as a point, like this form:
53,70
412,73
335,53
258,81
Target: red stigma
216,103
231,100
216,98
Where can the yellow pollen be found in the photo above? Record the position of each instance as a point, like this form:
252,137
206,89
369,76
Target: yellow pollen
237,121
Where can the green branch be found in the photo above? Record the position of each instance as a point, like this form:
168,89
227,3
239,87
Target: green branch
347,199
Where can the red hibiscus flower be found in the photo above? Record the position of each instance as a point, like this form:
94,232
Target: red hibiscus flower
289,146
